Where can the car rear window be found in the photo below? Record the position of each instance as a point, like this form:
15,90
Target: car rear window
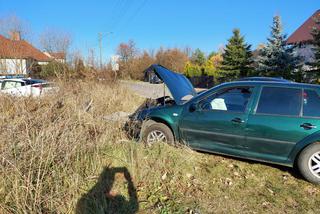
280,101
311,103
33,81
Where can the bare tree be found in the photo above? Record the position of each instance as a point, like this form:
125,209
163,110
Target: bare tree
174,59
127,51
13,23
13,58
54,40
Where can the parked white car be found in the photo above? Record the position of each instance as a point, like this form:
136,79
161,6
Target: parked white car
26,87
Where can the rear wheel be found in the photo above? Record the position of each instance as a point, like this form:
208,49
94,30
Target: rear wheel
157,132
309,163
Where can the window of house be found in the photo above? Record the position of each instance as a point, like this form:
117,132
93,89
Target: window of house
280,101
231,99
311,103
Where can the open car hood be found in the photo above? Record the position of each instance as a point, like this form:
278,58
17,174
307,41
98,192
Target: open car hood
179,86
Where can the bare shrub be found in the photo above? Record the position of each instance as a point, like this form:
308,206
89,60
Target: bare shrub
133,64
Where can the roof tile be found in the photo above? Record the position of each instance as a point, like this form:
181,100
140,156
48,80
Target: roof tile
20,49
303,33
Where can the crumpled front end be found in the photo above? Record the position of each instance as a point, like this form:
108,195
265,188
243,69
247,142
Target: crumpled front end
134,124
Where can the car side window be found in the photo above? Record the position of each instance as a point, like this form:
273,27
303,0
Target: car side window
311,103
232,100
11,84
280,101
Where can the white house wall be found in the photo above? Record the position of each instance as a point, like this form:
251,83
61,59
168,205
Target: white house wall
43,63
13,66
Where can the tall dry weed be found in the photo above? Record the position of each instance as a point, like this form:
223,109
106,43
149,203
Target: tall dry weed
47,144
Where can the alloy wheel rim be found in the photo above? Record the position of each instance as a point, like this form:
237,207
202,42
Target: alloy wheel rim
156,136
314,164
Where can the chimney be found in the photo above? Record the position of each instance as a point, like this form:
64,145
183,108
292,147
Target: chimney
15,35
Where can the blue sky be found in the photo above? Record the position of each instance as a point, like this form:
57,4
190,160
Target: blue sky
204,24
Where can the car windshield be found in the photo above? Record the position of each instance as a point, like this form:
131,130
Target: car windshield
33,81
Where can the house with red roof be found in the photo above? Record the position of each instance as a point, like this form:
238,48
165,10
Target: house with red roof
302,37
17,56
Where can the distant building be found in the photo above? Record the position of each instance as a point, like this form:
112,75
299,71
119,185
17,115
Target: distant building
57,56
302,37
17,56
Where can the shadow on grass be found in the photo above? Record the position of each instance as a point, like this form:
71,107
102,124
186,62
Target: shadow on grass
292,171
101,199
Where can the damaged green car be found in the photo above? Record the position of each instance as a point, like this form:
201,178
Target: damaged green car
264,119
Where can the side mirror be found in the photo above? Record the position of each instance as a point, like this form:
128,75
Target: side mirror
193,107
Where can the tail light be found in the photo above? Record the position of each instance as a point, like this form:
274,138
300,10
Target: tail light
39,86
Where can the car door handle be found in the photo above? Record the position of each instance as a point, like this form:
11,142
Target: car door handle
237,120
308,126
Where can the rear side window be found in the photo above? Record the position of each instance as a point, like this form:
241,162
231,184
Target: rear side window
280,101
311,103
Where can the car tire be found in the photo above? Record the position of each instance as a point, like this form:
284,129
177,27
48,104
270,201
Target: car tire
309,163
157,132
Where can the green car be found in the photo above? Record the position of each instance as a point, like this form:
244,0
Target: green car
269,120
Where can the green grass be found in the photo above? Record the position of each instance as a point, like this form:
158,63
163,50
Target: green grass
177,180
57,158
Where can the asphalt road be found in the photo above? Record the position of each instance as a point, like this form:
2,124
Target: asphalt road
146,90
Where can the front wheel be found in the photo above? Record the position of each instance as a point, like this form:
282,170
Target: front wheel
157,132
309,163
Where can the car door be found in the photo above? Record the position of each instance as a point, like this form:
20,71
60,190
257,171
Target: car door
282,117
219,120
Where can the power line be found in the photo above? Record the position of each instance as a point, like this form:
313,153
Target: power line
121,11
135,14
117,7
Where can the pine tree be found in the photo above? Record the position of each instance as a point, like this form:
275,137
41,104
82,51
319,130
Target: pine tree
198,57
316,49
277,58
237,58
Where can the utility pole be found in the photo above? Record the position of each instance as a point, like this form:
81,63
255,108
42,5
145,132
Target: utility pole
100,47
100,36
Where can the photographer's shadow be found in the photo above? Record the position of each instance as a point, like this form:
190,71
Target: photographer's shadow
100,198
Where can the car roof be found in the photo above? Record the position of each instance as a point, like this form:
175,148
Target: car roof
13,79
25,80
274,83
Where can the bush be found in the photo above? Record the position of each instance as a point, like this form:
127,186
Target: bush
53,70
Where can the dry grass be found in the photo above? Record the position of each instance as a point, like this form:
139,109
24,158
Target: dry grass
50,145
58,158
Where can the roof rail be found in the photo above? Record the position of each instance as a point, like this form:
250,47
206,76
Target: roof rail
19,76
273,79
